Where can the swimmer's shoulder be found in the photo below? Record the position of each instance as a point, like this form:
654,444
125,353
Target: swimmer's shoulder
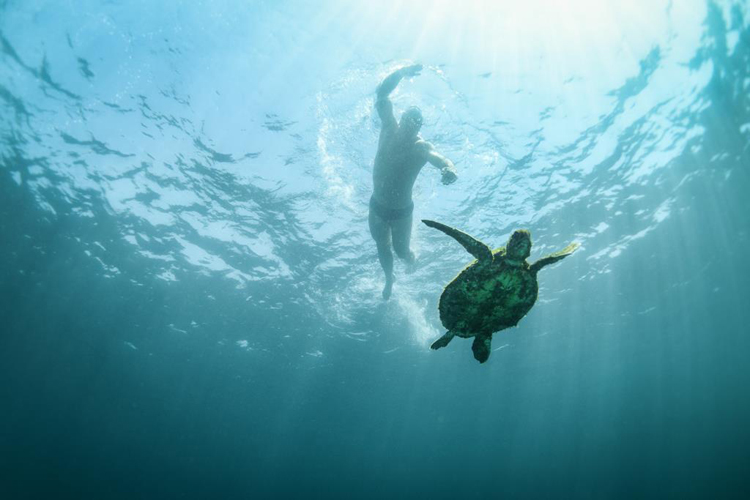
423,147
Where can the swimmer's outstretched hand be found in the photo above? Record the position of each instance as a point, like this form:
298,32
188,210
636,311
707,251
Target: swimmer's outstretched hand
449,176
412,70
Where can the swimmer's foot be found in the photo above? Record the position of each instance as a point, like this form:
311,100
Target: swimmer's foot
388,288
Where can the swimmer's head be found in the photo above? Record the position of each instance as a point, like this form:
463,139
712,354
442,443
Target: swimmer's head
411,120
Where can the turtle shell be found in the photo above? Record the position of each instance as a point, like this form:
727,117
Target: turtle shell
487,297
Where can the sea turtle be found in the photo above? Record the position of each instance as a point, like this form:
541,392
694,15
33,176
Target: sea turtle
493,292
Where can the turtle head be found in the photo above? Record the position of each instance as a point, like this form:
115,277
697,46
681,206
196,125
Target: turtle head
519,245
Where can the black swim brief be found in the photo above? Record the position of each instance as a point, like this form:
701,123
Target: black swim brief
390,214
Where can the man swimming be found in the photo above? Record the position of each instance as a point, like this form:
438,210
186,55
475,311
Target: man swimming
401,155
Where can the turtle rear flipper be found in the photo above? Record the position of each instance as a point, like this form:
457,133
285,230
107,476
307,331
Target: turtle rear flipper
481,347
479,250
442,341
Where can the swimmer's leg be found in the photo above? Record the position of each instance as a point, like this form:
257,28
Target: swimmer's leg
381,233
401,229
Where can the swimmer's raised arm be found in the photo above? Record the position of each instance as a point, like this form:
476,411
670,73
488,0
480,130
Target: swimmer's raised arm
391,81
447,168
388,85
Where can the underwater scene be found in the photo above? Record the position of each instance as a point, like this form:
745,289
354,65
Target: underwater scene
216,281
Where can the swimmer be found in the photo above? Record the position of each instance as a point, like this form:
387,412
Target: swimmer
401,155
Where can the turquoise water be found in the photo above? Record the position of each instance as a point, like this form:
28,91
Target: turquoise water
190,297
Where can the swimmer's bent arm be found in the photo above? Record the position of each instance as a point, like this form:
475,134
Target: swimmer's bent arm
388,85
447,169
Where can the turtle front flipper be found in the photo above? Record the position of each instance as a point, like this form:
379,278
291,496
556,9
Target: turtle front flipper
442,341
479,250
481,347
554,257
